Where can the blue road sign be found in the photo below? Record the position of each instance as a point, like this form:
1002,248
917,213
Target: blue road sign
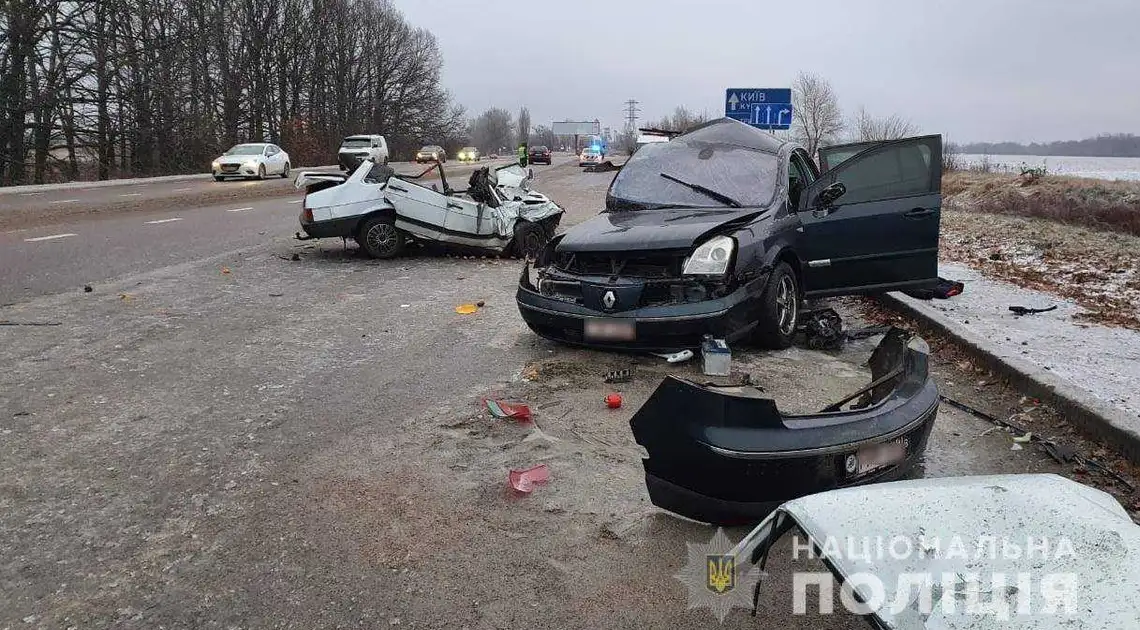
759,107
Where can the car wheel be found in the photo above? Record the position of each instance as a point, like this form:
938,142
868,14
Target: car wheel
779,309
379,237
530,239
261,172
218,178
285,171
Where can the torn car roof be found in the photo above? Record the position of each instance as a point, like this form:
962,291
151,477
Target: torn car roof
1079,531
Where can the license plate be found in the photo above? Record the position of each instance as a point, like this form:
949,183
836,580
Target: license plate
610,330
880,456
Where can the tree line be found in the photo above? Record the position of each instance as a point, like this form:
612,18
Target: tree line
1104,145
111,88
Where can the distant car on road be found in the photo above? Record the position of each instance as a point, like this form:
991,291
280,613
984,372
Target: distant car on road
539,154
469,154
254,160
431,153
356,149
589,156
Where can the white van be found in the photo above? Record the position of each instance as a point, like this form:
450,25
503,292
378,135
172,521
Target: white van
356,149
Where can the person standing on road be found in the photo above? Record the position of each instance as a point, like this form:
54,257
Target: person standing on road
522,154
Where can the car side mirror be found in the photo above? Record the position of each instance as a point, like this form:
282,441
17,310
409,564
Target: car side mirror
828,195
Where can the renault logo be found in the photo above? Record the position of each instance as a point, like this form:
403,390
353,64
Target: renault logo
609,299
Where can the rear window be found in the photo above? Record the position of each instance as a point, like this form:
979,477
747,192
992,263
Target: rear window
356,143
743,174
540,149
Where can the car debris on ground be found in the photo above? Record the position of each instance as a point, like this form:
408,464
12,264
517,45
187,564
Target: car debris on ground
1079,580
675,357
726,454
500,409
618,376
525,480
943,290
716,357
385,211
1025,310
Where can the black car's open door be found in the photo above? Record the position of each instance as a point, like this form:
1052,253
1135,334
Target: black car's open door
881,233
830,157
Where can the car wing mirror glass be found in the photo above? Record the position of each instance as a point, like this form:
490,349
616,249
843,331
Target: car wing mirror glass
829,195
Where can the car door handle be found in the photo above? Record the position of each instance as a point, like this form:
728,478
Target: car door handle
455,205
397,188
918,213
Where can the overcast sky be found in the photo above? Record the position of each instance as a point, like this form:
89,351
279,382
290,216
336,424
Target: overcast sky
972,70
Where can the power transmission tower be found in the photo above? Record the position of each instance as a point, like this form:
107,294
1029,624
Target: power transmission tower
631,112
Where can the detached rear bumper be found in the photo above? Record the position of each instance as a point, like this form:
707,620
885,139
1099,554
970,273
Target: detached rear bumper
728,456
665,328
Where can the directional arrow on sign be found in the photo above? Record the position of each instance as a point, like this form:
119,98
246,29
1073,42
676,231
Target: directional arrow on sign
732,101
780,118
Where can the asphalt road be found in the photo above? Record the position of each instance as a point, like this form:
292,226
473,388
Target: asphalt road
218,436
165,225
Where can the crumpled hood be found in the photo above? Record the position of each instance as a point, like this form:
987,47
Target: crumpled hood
668,228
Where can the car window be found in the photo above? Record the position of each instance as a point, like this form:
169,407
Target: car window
897,171
379,174
245,149
355,143
742,173
799,176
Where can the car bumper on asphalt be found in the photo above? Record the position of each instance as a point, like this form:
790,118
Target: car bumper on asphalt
665,328
333,228
726,455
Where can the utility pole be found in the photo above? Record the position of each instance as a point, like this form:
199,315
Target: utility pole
631,112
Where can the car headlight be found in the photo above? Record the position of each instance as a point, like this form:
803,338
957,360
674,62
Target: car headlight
711,258
215,165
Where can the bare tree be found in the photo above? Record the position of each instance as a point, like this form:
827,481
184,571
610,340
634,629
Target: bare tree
867,128
681,120
492,130
524,125
817,119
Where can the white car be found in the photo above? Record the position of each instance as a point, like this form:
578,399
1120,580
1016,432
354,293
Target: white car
255,160
589,156
356,149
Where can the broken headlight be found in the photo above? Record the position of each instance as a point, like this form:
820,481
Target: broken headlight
711,258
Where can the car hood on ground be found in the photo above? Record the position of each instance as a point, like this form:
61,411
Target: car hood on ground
668,228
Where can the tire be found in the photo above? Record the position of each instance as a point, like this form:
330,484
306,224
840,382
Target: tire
779,309
379,237
218,178
530,239
285,171
261,172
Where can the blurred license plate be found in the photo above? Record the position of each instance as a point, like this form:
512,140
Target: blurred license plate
610,330
880,456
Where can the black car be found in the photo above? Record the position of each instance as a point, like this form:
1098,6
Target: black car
539,155
726,229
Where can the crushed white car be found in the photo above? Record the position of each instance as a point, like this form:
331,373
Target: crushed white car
1001,551
385,211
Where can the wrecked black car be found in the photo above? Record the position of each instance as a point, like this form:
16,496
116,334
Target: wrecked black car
725,229
728,455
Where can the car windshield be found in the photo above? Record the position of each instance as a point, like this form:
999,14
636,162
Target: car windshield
356,143
707,167
246,149
469,149
429,149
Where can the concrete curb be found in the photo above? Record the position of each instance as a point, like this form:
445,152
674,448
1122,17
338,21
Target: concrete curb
1079,407
122,182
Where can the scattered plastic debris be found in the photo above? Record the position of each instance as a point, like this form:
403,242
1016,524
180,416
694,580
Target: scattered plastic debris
500,409
466,309
618,376
822,329
525,480
613,401
225,270
87,288
943,290
675,357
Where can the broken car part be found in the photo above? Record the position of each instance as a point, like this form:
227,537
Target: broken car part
1025,310
384,211
946,525
675,357
822,329
618,376
725,229
728,455
716,358
525,480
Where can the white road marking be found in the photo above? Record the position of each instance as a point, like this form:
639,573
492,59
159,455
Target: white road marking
297,201
65,201
181,189
131,195
240,209
30,194
164,221
46,238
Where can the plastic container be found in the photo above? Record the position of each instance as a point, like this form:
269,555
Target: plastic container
716,356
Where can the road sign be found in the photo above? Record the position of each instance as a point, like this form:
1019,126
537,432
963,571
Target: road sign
760,107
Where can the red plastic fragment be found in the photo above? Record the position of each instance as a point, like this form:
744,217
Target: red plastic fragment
525,480
500,409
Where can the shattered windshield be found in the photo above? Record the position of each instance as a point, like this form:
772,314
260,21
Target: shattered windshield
711,166
246,149
356,143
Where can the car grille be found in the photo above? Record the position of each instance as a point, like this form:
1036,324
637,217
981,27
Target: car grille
230,168
648,265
